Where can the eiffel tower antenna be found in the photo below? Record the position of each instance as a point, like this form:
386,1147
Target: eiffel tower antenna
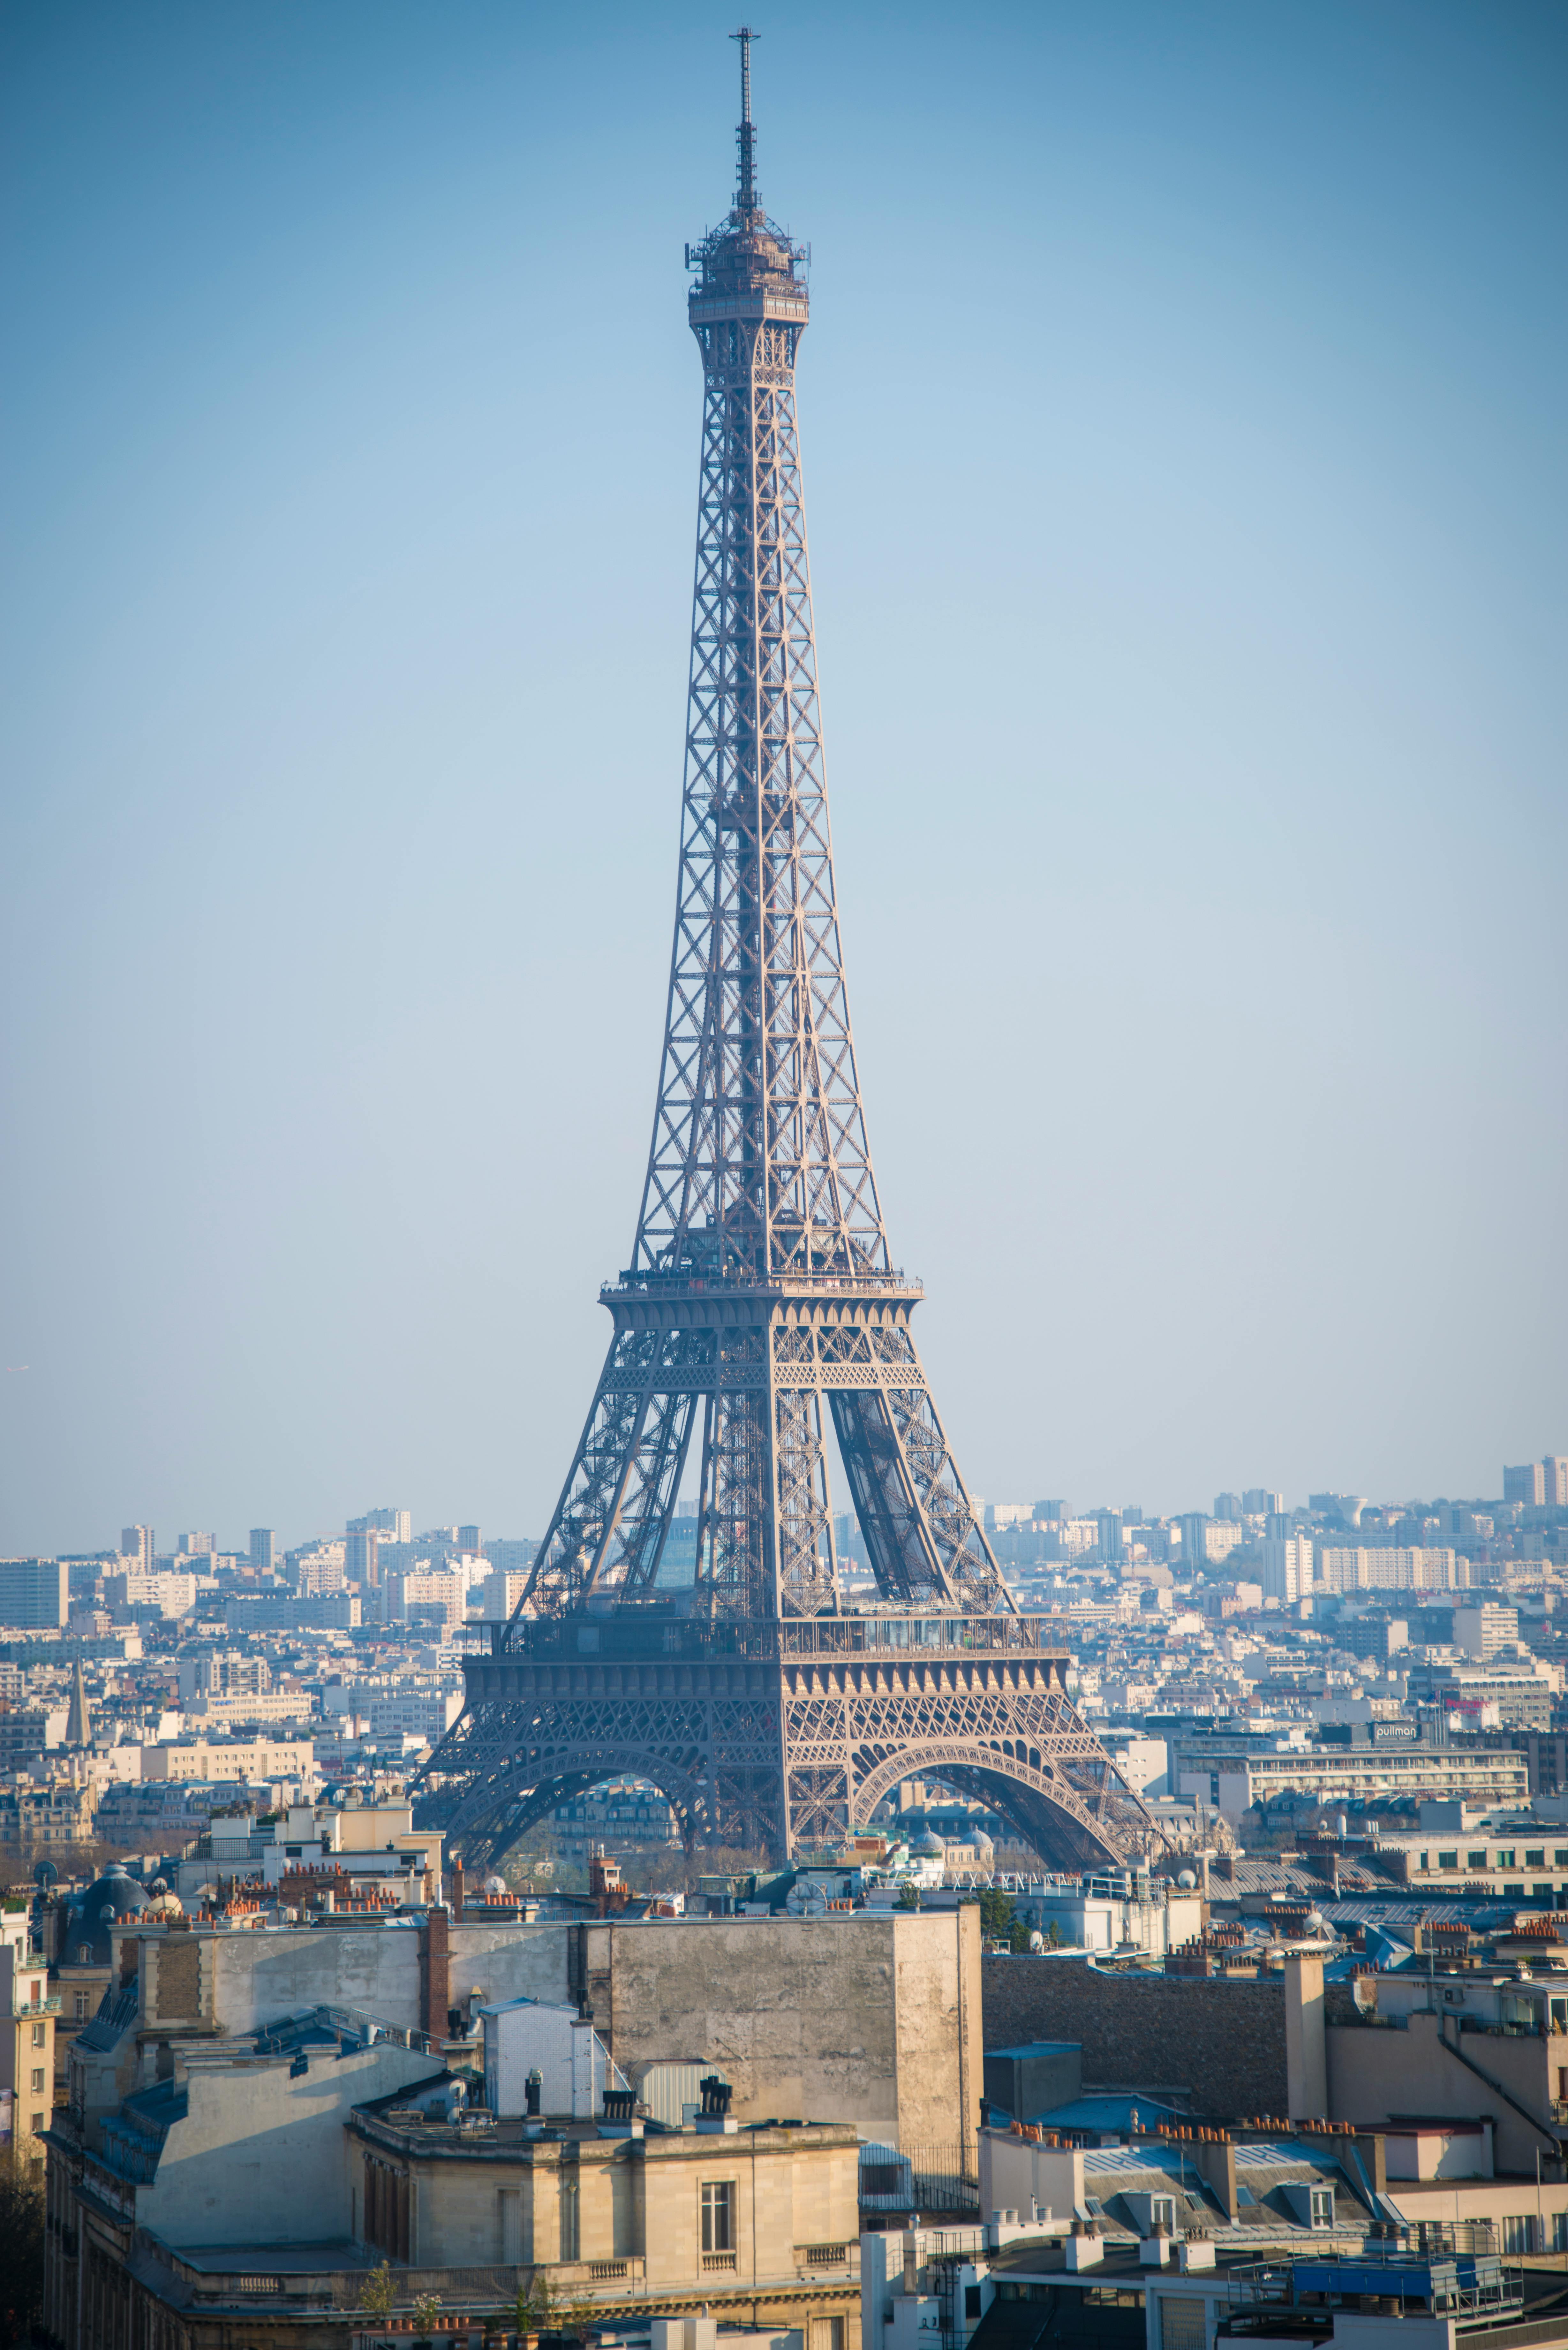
712,1652
746,137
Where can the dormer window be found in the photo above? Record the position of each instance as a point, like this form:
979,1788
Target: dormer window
1322,2207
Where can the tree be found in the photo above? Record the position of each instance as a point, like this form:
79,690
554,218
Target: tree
996,1915
427,2309
21,2249
379,2294
908,1895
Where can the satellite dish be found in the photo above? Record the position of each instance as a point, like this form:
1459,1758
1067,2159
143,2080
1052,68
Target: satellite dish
1186,1880
805,1901
45,1873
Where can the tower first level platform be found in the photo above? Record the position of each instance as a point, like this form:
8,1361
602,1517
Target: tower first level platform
780,1736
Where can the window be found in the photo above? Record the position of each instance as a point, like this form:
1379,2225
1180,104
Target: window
718,2215
972,2292
1424,1860
1560,2231
1447,1860
37,2080
1504,1859
1536,1857
37,2124
1545,1889
1322,2207
1162,2211
1476,1859
569,2229
1516,2234
1560,1858
1181,2323
40,2034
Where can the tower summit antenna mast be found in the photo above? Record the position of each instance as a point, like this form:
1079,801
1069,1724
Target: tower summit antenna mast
760,1316
746,137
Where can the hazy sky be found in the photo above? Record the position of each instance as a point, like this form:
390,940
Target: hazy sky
1182,417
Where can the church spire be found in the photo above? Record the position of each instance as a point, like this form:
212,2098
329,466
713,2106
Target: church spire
79,1720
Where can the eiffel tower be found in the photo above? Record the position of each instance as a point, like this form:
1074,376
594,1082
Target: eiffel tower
717,1660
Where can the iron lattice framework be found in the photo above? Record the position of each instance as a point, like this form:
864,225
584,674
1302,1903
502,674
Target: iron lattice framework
762,1298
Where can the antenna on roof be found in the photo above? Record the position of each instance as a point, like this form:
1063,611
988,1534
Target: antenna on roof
746,197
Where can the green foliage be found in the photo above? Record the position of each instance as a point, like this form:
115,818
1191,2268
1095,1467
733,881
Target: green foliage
1018,1936
21,2248
378,2295
908,1896
427,2309
996,1915
533,2309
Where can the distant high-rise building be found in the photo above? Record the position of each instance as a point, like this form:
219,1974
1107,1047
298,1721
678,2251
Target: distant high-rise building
500,1593
1051,1513
1346,1507
398,1526
361,1561
1109,1523
1258,1502
468,1541
35,1594
1527,1484
198,1545
264,1550
1227,1508
1287,1567
136,1543
1192,1531
514,1557
1554,1477
1279,1526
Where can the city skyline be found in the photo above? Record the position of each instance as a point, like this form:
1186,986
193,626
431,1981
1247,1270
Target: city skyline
1233,776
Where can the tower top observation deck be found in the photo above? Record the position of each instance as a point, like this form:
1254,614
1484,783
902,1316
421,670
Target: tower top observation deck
747,267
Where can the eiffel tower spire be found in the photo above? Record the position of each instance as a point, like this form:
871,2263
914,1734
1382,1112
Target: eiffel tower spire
761,1305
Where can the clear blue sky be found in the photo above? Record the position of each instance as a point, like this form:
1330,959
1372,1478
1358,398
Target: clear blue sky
1182,413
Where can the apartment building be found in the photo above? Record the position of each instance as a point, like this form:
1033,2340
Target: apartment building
27,2012
35,1594
1378,1761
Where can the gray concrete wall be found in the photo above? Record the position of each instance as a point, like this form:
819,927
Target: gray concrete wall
262,1977
262,2157
868,2018
1375,2073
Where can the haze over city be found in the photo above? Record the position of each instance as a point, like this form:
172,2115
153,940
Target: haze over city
931,1713
1181,413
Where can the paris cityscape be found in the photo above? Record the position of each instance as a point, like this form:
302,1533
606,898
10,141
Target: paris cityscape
777,1896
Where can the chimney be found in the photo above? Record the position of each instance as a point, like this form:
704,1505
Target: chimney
457,1886
435,1973
1306,2042
1215,2160
1372,2146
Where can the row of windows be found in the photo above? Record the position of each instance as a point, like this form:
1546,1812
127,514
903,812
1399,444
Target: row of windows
387,2210
1520,2233
1504,1856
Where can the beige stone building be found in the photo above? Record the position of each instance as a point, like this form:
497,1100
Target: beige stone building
27,2012
260,2116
